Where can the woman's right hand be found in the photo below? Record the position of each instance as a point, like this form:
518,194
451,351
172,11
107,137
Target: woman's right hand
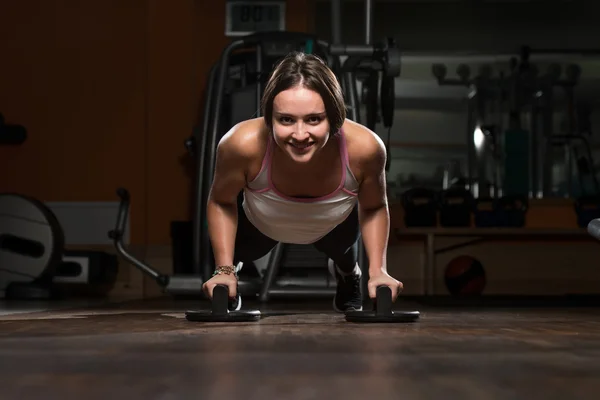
221,279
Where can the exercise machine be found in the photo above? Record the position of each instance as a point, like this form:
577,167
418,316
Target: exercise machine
176,285
34,263
31,247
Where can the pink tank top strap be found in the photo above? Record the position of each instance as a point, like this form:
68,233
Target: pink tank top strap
344,149
345,164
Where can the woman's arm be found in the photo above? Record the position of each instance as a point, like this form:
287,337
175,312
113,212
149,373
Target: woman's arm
229,179
373,205
374,213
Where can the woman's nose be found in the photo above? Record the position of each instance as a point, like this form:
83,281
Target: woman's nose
300,132
300,136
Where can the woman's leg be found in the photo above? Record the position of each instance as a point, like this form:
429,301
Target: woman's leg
341,244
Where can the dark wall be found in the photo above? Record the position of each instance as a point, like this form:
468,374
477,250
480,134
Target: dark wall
476,25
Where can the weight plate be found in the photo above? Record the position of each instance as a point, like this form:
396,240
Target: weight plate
31,239
394,62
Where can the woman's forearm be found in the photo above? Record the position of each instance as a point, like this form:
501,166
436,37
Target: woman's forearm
375,228
222,228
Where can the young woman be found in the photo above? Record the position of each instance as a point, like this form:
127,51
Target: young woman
308,176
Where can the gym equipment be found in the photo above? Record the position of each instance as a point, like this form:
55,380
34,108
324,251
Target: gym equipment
86,272
34,263
420,207
512,210
176,284
465,275
506,211
388,99
578,161
516,161
238,78
220,311
520,105
379,89
456,205
485,210
370,90
382,311
31,247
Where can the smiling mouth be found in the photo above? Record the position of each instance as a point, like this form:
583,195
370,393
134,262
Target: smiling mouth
302,146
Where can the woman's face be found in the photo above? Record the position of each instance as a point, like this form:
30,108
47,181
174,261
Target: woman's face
300,124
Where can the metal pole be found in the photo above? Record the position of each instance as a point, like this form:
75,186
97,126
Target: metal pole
368,21
546,156
199,196
534,150
469,169
259,72
336,21
352,50
363,260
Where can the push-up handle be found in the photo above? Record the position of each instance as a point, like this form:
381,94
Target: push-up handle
382,310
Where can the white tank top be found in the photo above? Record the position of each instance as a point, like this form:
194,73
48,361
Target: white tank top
298,220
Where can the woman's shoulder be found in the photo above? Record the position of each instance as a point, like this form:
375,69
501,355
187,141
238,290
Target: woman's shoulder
366,150
246,139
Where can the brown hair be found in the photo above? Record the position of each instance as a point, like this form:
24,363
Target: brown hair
312,72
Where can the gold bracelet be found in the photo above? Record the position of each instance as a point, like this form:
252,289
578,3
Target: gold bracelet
225,270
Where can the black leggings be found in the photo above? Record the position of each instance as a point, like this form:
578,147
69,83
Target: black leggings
340,245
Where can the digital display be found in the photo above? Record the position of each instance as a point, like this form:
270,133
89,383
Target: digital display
247,17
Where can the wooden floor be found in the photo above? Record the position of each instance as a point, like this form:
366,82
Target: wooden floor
299,351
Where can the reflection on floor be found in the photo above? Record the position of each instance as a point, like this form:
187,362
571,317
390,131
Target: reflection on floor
37,306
